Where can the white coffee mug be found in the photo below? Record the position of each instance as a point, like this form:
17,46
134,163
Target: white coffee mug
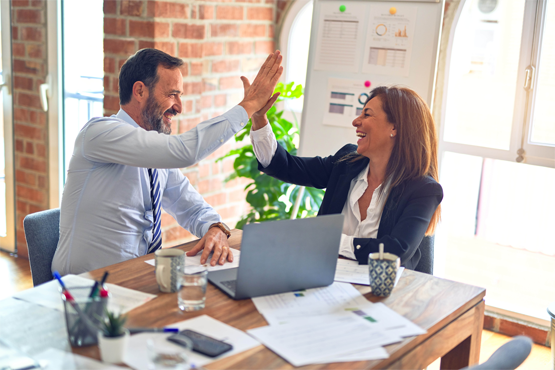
169,265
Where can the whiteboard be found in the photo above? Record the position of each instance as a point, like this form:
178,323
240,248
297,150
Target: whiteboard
321,133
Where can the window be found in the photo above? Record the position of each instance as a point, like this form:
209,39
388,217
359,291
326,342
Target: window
294,43
7,209
76,65
497,150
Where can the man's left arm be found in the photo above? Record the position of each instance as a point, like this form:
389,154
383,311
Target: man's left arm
182,201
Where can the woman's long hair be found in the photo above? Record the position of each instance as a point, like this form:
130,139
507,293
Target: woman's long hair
414,154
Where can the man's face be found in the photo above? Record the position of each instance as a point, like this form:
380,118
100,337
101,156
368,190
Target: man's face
164,101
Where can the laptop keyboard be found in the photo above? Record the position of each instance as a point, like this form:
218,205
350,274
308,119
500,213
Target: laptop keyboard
230,284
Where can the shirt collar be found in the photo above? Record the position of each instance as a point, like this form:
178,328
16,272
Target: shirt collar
126,117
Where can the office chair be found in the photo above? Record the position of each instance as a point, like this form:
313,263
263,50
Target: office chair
426,263
507,357
42,231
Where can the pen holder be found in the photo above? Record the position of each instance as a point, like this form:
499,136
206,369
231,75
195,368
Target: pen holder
84,316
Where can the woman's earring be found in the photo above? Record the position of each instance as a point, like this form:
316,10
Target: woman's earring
391,135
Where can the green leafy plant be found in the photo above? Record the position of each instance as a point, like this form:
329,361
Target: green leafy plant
112,326
272,199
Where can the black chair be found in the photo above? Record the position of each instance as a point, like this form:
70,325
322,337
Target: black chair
426,263
42,231
507,357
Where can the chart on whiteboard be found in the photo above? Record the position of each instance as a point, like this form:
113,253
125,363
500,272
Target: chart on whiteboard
389,40
339,29
345,101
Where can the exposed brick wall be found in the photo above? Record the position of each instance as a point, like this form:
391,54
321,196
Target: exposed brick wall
219,41
30,129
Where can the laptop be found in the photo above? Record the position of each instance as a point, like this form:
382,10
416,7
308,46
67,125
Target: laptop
281,256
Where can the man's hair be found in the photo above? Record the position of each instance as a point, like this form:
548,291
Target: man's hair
143,66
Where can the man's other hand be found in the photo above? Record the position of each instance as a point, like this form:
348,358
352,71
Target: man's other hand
213,241
260,92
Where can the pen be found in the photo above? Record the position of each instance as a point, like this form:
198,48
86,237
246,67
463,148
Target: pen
152,330
66,292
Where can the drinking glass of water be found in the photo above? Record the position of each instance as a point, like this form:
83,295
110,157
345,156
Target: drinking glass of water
192,294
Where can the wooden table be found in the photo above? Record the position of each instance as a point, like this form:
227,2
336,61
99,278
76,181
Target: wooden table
451,312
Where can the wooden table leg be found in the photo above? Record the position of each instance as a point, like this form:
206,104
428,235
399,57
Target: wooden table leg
467,353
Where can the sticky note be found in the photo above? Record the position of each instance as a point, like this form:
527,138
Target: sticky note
367,83
392,10
342,8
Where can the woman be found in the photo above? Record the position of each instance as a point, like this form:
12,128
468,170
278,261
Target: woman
386,185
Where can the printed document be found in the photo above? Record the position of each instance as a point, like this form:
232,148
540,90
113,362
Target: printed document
48,294
339,32
137,353
316,342
285,307
389,39
349,271
195,261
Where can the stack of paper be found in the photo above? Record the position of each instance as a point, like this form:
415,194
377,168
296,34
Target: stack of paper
330,324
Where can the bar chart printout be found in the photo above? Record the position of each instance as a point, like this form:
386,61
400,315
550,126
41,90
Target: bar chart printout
345,101
389,40
339,33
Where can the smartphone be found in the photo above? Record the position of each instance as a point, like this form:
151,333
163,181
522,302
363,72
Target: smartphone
202,344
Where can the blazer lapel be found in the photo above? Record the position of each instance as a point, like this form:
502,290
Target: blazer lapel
343,185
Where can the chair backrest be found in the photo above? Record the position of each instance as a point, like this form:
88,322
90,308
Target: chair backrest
507,357
42,231
426,263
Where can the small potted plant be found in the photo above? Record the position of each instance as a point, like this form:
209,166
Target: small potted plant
113,338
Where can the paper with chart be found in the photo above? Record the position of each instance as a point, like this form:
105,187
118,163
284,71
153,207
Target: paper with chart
345,99
195,261
321,342
286,307
389,40
339,32
48,294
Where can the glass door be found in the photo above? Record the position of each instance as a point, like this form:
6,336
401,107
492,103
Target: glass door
7,209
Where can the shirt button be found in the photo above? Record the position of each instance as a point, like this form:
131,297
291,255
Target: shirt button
242,123
221,140
358,246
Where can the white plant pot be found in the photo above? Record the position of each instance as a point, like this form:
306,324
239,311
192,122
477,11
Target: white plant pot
112,349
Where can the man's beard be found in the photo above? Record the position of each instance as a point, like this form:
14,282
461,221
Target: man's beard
153,117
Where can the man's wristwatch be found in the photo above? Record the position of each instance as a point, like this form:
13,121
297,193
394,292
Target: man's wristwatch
220,225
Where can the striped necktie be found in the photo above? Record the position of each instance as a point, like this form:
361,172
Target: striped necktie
156,212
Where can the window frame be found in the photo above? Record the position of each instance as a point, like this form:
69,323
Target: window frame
534,15
534,10
8,243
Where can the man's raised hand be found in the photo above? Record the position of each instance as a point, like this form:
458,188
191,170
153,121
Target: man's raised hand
260,91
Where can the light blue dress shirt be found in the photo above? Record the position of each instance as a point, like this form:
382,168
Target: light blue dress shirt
106,213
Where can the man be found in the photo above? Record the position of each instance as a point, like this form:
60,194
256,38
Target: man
125,167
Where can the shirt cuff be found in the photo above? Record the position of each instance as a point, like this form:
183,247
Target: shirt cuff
346,247
237,117
264,145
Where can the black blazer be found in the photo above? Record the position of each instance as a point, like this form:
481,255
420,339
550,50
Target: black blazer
406,214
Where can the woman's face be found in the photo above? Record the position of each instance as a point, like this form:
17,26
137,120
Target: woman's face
374,130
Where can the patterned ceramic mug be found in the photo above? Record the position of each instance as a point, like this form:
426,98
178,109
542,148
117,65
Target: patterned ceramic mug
169,267
383,273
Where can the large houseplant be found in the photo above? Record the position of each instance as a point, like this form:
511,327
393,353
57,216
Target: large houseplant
272,199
